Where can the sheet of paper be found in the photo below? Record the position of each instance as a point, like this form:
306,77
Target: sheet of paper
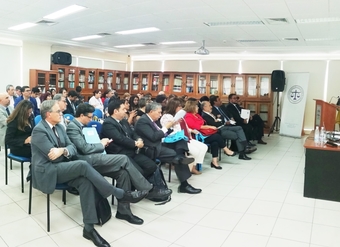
232,122
180,114
245,114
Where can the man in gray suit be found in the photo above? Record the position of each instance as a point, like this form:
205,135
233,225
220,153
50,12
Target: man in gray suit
116,166
52,152
5,111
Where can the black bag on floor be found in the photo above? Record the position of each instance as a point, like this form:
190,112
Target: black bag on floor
157,179
103,209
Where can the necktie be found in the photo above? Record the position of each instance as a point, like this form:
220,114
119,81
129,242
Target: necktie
222,113
8,111
55,133
124,128
156,126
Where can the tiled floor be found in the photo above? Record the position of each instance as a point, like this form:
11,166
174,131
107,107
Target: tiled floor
255,203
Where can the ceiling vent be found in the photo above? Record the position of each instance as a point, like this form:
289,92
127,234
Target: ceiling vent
290,39
149,44
202,50
47,23
104,34
276,21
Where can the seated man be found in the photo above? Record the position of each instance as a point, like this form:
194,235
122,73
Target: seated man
52,152
117,166
5,110
174,153
125,140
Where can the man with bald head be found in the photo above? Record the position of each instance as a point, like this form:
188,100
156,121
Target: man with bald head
5,111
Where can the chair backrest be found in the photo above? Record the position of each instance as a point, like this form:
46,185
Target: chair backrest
98,113
68,117
37,119
96,125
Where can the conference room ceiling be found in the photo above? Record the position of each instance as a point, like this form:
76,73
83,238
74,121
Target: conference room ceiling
227,26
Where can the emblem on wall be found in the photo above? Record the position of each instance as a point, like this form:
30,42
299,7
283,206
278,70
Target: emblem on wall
295,94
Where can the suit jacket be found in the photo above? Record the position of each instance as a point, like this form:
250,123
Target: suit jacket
44,172
210,120
69,108
3,123
151,136
36,111
74,132
123,137
234,111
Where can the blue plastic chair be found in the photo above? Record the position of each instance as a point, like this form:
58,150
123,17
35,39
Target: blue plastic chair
98,113
37,119
96,125
68,117
20,159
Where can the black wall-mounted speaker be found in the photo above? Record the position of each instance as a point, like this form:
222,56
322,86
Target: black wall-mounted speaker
278,80
60,57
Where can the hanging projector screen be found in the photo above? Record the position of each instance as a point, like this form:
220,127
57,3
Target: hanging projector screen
10,66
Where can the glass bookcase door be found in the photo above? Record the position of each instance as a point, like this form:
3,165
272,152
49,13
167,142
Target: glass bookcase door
118,81
239,85
166,80
145,82
91,79
101,79
202,84
226,84
252,85
214,85
109,80
71,77
189,84
52,81
177,83
42,79
82,78
264,87
135,82
126,79
61,78
264,112
155,83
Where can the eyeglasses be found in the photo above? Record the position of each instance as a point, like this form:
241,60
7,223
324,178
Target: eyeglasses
57,111
90,117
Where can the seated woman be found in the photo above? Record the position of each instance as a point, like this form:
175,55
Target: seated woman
196,149
19,129
96,100
196,122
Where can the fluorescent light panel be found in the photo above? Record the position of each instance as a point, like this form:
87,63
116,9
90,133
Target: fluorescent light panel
177,42
322,39
65,11
88,37
140,30
22,26
232,23
127,46
317,20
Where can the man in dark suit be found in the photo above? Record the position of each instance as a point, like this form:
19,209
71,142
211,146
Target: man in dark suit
115,166
26,95
252,128
70,100
174,153
52,152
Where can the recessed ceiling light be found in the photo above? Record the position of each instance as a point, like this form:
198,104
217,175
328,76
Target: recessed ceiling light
88,37
127,46
65,11
177,42
140,30
316,20
232,23
256,40
322,39
23,26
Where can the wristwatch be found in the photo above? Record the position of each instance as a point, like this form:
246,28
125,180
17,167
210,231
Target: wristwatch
65,153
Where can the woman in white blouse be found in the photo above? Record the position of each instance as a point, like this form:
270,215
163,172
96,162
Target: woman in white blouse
196,149
96,100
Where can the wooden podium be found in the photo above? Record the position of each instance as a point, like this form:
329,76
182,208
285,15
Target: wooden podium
324,114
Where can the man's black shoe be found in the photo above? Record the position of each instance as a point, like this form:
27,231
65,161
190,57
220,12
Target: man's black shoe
94,236
251,144
188,189
244,157
133,219
133,196
73,191
182,160
158,194
250,150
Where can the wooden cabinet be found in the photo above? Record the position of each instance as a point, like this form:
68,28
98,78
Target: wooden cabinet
232,84
105,79
264,109
258,86
43,79
122,82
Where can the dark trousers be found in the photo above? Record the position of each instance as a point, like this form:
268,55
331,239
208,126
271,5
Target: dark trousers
258,125
144,164
215,141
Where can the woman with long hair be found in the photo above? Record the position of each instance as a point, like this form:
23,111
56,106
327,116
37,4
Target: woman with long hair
133,101
196,149
19,129
196,122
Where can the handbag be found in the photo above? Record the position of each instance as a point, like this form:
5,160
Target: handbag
176,137
103,210
200,137
208,132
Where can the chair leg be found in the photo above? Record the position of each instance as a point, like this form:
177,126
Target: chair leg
6,170
11,166
22,177
30,198
64,197
169,172
48,212
113,197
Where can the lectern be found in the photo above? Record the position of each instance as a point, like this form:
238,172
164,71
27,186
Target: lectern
324,114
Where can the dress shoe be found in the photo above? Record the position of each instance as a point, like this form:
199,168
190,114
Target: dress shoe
233,154
195,171
188,189
182,160
261,142
157,194
133,219
133,196
251,144
216,167
73,191
243,156
250,150
94,236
